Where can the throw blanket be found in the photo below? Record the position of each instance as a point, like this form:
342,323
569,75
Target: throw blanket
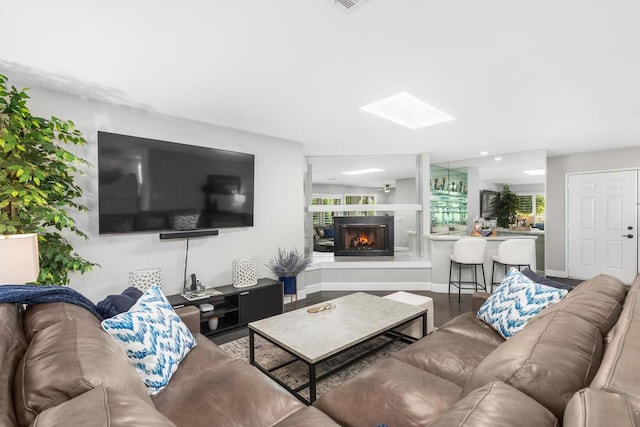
116,304
31,294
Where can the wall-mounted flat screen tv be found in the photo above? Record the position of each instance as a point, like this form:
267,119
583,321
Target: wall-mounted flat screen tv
149,185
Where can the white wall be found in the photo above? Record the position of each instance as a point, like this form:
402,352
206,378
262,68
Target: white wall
527,188
405,192
557,169
473,196
345,190
279,199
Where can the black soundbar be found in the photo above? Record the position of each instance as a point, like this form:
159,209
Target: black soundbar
187,234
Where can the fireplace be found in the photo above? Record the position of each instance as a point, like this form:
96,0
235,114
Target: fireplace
363,235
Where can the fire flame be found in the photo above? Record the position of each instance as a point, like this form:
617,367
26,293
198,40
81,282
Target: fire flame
362,239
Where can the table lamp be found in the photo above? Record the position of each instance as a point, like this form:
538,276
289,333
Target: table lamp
19,262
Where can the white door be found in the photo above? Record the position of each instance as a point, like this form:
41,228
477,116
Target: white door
602,225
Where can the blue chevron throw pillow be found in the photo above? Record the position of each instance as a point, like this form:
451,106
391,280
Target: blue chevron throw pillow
517,300
154,338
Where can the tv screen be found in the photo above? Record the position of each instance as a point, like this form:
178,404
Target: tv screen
149,185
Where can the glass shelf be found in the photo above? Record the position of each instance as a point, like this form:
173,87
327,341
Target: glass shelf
448,189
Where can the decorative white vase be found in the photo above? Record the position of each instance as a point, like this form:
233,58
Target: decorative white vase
213,323
144,279
244,272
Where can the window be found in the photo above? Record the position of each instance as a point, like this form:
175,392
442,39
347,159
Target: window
540,207
525,205
531,207
324,219
358,199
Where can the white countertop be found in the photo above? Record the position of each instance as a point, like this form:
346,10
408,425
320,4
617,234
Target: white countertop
450,237
532,231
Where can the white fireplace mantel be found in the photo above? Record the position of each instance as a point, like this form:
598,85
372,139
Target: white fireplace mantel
358,208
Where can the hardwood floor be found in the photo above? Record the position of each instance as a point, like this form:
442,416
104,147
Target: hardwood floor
445,307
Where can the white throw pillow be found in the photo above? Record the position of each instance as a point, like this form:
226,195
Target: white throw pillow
515,302
154,338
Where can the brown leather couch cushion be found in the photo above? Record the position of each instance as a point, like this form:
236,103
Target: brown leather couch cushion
548,360
477,299
66,360
190,315
602,284
630,309
204,356
41,316
619,369
103,407
447,355
236,394
597,408
390,392
631,306
470,326
308,417
599,310
496,404
12,348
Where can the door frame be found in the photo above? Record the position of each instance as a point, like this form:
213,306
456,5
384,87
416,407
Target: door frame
566,212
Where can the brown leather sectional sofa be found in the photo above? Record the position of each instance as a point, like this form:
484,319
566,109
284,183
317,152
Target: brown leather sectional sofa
59,368
577,362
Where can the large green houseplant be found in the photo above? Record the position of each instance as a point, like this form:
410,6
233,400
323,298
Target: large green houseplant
506,207
37,187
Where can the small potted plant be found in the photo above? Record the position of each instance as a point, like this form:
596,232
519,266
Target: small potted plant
287,265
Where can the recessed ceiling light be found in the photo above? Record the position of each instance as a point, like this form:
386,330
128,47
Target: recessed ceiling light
534,172
484,153
407,110
363,171
497,158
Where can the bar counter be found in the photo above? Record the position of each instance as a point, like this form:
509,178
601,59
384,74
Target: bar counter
441,247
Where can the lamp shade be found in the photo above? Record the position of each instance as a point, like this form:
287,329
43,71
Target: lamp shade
19,259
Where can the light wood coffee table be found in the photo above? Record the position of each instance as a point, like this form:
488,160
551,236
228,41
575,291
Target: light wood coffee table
315,337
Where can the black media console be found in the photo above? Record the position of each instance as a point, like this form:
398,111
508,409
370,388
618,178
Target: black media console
236,307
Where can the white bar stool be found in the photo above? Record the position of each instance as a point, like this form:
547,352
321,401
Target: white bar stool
513,253
468,252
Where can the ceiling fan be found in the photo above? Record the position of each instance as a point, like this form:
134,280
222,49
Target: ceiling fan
386,188
347,3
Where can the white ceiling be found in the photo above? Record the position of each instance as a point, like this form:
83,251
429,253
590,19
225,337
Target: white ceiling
329,170
507,168
517,75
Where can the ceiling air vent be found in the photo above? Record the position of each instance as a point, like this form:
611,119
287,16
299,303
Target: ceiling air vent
347,3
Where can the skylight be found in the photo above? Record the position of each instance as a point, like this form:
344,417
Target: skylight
535,172
408,111
363,171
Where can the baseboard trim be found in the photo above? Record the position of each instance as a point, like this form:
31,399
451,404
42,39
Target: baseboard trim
367,286
441,288
312,289
381,286
300,294
557,273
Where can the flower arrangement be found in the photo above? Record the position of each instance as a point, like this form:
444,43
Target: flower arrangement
288,263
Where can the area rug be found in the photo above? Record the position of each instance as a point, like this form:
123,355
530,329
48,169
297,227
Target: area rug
297,373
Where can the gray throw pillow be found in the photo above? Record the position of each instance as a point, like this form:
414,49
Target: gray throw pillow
535,277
